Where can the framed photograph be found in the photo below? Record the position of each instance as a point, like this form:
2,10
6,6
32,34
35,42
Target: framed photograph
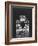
20,22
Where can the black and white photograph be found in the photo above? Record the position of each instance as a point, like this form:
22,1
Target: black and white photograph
22,22
22,27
